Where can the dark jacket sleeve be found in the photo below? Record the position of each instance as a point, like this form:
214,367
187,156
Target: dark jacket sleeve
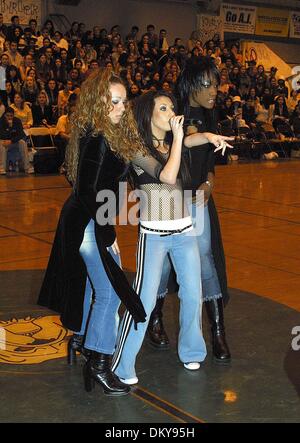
3,135
92,151
211,160
88,183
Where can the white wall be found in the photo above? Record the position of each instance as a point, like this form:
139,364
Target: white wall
178,18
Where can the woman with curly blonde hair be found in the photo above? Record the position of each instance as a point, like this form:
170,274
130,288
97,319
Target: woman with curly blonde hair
85,264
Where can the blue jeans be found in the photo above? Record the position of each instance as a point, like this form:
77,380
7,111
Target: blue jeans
210,282
101,303
151,254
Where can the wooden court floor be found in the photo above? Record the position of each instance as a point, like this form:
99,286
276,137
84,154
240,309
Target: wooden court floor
259,209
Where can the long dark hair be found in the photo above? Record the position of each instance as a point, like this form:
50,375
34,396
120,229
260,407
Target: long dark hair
192,79
143,108
284,106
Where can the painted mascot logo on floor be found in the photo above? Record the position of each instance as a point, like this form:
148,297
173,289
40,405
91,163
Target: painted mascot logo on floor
32,340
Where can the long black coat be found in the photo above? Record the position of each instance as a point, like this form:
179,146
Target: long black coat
64,283
201,163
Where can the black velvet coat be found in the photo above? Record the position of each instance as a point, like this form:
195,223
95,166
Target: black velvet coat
64,283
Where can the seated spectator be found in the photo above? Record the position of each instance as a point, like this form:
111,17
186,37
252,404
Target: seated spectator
292,102
153,38
249,113
132,36
162,40
234,77
92,66
50,26
237,105
62,132
43,71
8,96
41,111
196,54
134,91
59,72
166,86
52,94
60,41
260,85
272,83
30,90
73,34
295,121
261,72
282,89
224,86
13,75
280,108
226,111
15,58
63,97
75,76
40,42
253,96
25,67
33,27
90,52
12,135
22,111
264,108
79,66
281,113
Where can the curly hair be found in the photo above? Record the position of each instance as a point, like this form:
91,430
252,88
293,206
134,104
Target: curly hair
92,115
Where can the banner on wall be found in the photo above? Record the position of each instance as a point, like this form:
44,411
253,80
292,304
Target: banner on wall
25,9
295,24
238,18
263,55
272,22
208,26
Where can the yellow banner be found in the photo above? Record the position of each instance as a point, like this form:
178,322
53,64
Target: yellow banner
263,55
273,22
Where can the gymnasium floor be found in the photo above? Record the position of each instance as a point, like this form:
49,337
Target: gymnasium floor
259,209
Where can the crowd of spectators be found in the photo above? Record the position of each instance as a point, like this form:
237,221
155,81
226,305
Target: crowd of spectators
42,70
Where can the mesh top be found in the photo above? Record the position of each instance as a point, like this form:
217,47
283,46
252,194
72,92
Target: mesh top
158,201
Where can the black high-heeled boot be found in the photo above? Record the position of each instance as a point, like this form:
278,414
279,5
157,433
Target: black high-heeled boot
98,369
215,313
75,344
156,331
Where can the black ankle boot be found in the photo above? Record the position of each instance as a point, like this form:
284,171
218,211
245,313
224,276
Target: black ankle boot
215,313
156,331
98,369
75,344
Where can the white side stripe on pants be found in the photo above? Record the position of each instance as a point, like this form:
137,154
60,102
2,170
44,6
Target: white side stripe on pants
127,321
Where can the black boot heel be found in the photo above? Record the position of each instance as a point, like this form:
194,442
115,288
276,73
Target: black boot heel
89,382
75,345
71,355
98,369
215,313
